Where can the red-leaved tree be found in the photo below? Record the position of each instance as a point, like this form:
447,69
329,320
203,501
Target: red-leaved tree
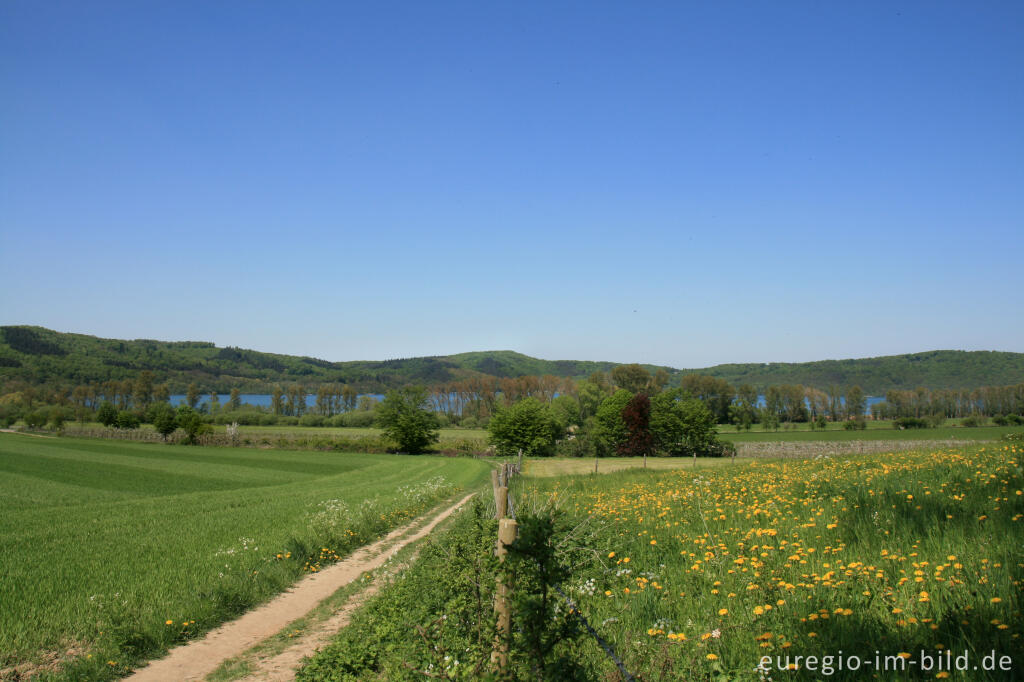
637,417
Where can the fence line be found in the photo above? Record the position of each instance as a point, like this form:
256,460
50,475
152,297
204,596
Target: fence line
505,505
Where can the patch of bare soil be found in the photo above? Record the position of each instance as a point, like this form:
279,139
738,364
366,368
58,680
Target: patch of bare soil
48,662
196,660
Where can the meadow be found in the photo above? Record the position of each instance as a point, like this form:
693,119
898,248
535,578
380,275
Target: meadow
113,551
712,570
881,562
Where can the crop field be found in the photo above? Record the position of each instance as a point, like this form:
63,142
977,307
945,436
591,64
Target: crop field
446,434
709,571
113,551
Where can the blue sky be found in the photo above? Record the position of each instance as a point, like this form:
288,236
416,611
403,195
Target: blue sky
675,183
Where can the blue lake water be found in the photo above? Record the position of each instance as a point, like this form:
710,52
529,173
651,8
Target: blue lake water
257,399
264,399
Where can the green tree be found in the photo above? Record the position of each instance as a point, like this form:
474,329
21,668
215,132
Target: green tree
609,428
682,425
164,419
162,393
856,402
592,393
143,389
277,399
633,378
406,417
126,419
235,401
107,414
566,410
191,422
528,425
192,395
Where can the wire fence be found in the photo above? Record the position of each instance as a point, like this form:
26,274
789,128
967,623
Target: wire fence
509,470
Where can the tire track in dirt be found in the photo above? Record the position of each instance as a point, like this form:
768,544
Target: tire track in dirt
196,660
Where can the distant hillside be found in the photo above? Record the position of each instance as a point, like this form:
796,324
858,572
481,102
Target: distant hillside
950,369
42,356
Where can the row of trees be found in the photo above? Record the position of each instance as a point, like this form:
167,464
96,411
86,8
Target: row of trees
473,402
604,422
988,401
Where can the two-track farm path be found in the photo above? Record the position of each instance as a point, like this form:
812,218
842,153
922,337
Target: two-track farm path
196,660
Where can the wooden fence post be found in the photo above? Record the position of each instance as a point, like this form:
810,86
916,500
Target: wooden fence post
507,530
501,502
495,482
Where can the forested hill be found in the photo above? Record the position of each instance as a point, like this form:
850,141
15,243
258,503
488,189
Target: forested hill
43,356
937,369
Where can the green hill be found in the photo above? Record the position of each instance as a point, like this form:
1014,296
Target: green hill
45,357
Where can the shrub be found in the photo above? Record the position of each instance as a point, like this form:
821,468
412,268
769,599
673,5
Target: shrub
35,419
360,418
974,420
59,415
311,420
406,417
581,444
910,423
8,415
107,414
126,419
858,424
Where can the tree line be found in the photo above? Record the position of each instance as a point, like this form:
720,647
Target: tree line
475,401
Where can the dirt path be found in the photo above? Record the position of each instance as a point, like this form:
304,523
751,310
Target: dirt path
195,660
281,667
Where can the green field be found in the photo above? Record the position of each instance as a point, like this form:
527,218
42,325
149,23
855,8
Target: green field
103,542
544,467
448,434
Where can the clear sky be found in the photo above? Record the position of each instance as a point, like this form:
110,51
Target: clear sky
675,183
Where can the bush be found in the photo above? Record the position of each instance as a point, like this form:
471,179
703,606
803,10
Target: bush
1015,419
1000,420
581,444
8,415
974,420
359,418
910,423
858,424
311,420
407,417
59,415
126,419
107,414
36,419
